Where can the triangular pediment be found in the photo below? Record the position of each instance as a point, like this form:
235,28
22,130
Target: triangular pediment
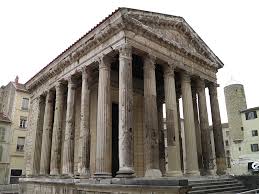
174,30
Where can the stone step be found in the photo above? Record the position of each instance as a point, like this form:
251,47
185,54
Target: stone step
213,183
216,190
195,188
231,192
210,180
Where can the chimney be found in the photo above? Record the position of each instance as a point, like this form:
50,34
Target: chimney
16,79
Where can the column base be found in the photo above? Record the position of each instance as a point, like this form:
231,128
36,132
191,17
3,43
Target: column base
54,172
125,172
193,173
102,175
174,173
221,166
153,173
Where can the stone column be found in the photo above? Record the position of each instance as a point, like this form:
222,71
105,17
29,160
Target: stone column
174,160
68,148
84,142
151,142
180,134
47,134
36,152
162,161
55,165
125,113
192,167
197,128
217,130
204,126
104,128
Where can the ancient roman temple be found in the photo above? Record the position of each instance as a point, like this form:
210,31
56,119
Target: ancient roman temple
96,112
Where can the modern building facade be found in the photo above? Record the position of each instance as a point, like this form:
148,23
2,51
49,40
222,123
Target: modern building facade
96,111
243,130
15,106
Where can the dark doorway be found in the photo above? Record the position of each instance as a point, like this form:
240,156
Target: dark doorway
115,139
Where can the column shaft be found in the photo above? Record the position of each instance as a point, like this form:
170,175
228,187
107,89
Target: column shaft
84,142
197,128
204,126
125,113
180,129
104,130
174,160
55,165
68,148
162,161
192,167
151,142
217,130
38,136
47,135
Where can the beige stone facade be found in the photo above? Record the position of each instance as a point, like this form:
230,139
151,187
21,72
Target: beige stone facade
95,111
242,133
15,105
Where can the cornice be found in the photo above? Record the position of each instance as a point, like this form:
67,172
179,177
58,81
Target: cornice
180,25
137,26
131,22
77,53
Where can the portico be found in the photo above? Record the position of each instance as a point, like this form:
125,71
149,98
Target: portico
136,63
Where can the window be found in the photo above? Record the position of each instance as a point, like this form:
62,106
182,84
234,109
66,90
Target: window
254,133
228,152
239,148
242,128
254,147
15,174
20,144
251,115
23,122
226,142
25,104
2,134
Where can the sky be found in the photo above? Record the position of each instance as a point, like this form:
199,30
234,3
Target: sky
33,33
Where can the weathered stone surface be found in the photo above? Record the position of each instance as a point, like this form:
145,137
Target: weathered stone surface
192,167
150,119
217,130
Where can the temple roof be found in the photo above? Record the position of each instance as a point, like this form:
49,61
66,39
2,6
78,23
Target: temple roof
169,30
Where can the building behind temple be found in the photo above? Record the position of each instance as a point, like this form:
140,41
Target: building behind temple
14,109
241,138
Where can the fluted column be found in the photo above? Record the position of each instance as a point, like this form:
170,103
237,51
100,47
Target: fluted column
174,160
68,148
204,126
162,161
151,142
180,129
104,130
84,142
38,135
47,134
125,113
217,130
55,165
197,128
192,167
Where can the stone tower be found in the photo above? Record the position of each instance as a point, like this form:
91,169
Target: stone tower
235,101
